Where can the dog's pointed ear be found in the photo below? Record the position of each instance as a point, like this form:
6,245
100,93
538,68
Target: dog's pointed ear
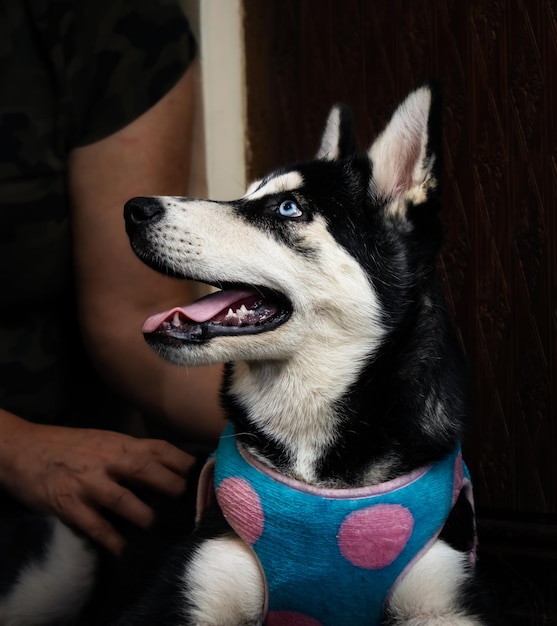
339,138
406,155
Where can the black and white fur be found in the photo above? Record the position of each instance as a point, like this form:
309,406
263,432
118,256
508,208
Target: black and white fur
355,379
348,375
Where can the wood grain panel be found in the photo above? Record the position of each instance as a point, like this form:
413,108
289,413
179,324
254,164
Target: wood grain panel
497,65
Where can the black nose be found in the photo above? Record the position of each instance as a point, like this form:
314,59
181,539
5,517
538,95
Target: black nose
140,211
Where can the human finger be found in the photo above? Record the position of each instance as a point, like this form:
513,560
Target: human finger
97,527
149,464
153,475
171,456
124,503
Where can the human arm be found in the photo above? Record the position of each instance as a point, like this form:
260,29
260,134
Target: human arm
116,291
76,473
69,472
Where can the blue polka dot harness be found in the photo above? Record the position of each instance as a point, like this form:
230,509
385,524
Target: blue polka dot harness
332,556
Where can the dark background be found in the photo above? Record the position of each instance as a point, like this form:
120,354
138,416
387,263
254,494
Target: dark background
497,62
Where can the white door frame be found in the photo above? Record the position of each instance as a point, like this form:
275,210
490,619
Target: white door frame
218,25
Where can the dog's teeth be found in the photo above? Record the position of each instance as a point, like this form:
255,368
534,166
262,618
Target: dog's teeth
176,319
238,317
231,319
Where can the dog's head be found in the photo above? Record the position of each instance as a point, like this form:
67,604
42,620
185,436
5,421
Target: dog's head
323,254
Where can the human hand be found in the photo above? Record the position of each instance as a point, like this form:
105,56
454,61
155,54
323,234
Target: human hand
76,473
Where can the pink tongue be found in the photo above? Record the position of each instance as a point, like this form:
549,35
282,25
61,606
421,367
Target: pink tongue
200,311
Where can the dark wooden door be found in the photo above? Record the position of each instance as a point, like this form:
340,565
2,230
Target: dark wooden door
497,62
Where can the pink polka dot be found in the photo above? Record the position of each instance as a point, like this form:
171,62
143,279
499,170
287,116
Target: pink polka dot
458,477
290,618
374,537
247,519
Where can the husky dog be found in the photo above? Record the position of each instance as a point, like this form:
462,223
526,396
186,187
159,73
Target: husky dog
338,494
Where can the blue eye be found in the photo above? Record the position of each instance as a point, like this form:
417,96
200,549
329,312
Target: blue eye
288,208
